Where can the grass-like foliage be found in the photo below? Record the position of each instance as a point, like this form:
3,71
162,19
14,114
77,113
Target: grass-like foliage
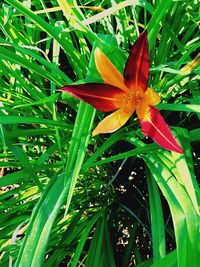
70,199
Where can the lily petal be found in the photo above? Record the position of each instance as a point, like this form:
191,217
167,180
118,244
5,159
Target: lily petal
141,110
149,98
107,70
112,122
154,126
103,97
136,71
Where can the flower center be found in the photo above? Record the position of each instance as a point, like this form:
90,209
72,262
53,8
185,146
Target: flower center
132,100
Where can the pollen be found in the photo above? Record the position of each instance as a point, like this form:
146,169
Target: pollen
129,102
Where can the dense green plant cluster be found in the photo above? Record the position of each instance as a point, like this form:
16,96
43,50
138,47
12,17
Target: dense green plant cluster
70,199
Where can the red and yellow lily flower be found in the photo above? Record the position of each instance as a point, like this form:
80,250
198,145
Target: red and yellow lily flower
126,94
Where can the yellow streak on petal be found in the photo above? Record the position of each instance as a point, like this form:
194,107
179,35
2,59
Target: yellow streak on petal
112,122
108,72
142,110
147,114
149,98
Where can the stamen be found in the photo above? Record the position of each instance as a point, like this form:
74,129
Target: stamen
129,102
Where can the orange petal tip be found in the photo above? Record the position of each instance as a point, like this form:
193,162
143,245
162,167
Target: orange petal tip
112,122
